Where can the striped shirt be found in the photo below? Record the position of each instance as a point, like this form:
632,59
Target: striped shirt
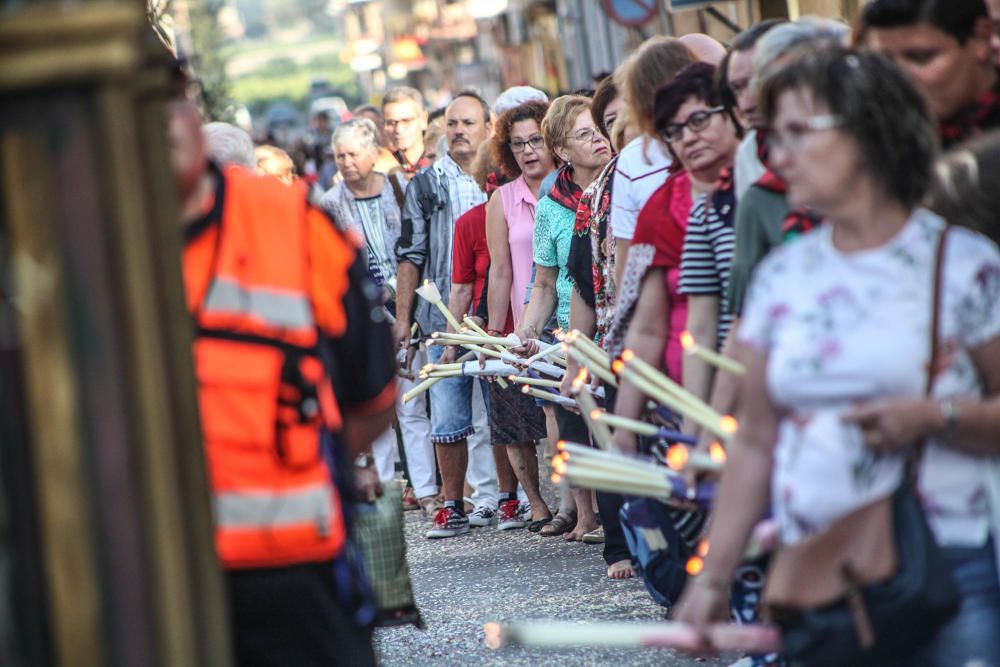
707,257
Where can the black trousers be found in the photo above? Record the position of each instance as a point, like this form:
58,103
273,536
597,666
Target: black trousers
291,616
573,429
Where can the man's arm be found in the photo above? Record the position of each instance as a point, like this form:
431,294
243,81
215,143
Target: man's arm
411,252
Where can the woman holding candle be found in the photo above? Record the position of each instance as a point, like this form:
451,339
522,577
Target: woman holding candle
836,338
571,135
653,310
519,149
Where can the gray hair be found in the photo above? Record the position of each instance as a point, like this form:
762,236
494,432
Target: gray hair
362,129
402,93
781,39
227,144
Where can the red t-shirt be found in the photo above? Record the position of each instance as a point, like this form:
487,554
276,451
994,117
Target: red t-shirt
662,224
470,260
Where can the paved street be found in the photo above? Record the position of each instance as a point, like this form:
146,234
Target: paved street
488,575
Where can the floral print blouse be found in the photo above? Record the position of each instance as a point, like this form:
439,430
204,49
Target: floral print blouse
844,328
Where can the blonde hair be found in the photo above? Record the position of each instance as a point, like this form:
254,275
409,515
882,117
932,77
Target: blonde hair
560,119
655,62
272,161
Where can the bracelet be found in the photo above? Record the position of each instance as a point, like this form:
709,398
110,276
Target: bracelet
495,332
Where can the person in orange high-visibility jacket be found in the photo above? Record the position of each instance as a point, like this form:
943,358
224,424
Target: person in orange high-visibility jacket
269,281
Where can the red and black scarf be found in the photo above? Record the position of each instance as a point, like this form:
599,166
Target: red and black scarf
798,221
982,115
413,168
565,191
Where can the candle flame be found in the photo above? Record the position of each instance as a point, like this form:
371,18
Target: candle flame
556,478
617,366
628,355
694,565
596,413
717,452
677,457
559,465
491,631
687,340
526,389
702,549
561,445
581,377
512,378
564,455
729,424
436,334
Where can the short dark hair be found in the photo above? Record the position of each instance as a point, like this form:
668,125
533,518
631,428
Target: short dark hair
744,41
502,154
696,80
954,17
877,105
477,97
605,94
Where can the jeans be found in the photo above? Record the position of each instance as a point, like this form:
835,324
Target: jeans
972,637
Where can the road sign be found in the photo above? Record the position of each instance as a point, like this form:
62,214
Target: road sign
631,12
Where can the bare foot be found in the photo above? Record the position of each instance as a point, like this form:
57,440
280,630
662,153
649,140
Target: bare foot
576,535
620,570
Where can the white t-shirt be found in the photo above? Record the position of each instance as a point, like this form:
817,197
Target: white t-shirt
641,169
847,328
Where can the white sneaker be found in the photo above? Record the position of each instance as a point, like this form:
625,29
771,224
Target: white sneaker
524,510
482,516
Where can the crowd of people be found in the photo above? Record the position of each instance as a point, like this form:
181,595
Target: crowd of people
812,202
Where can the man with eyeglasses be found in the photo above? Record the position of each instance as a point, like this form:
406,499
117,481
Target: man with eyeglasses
405,122
435,199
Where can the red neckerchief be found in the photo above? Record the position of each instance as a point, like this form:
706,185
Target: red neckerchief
798,221
565,191
408,168
981,115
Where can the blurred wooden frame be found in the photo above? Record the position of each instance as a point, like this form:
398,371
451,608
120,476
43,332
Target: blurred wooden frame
120,482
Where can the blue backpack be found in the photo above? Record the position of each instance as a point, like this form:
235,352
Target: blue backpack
661,539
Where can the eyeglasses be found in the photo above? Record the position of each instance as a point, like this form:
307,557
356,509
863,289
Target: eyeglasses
536,142
697,121
792,135
401,122
586,135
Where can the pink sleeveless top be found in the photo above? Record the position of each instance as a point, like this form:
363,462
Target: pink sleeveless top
519,211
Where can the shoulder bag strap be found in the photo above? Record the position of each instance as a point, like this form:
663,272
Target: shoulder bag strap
913,463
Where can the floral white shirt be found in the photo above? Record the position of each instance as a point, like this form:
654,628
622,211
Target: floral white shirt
843,328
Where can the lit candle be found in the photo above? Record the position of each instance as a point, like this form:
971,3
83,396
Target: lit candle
623,634
711,356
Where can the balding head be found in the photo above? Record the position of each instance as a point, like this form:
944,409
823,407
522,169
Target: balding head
706,49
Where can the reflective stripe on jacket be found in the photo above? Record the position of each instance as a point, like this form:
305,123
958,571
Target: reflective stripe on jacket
261,274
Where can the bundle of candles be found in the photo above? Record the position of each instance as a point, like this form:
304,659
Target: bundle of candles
661,634
610,472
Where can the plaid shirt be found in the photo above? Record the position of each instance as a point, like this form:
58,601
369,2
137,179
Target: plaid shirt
435,199
411,169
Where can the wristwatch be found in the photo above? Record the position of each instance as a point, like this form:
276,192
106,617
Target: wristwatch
951,414
364,461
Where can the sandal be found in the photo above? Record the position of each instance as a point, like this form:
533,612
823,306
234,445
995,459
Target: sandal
595,536
560,524
536,526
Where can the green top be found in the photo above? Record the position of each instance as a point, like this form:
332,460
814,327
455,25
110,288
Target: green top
760,215
550,244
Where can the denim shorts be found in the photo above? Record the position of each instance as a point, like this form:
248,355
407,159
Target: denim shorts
451,404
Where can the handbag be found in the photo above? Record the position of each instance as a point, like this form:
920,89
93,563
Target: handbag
379,533
874,584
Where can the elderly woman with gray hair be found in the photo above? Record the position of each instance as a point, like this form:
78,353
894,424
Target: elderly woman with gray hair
368,201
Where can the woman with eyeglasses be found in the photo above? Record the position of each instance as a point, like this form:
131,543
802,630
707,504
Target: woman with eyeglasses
572,137
652,309
520,151
836,338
